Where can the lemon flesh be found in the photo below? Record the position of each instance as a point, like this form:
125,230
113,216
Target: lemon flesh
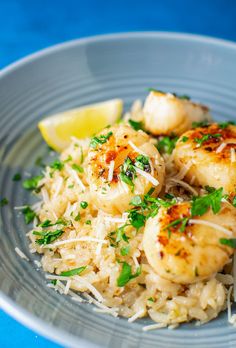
81,122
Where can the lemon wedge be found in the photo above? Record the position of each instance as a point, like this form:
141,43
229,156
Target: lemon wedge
81,122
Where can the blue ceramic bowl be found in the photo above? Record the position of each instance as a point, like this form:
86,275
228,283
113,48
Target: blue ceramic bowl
70,75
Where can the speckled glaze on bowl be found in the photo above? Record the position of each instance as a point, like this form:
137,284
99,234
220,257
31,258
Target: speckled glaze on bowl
70,75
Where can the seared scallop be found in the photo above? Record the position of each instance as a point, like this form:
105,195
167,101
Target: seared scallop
186,251
165,113
211,151
122,163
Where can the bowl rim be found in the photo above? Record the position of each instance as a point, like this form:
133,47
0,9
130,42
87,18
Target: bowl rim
9,306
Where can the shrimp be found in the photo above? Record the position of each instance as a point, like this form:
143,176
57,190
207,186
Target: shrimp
186,251
166,114
122,163
211,151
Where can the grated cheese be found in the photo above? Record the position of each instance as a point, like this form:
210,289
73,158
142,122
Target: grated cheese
111,170
232,155
58,187
147,176
210,224
76,178
21,254
76,240
45,195
136,316
90,287
221,147
67,287
136,149
101,306
154,326
181,174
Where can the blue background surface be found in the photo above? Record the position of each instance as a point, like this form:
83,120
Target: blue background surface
29,25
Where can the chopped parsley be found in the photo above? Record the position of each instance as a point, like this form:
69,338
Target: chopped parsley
47,236
73,272
231,242
68,159
126,274
224,125
32,183
54,281
48,223
136,125
128,173
205,138
57,165
156,90
142,162
16,177
184,139
78,217
101,139
166,144
3,201
88,222
183,96
77,168
202,203
200,124
83,204
182,222
29,214
151,299
234,201
136,219
125,250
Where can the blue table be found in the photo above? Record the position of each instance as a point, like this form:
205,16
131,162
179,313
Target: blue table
30,25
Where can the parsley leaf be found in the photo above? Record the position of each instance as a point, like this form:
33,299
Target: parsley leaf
224,125
39,162
83,204
47,236
126,274
184,139
182,222
200,124
128,173
72,272
77,168
136,219
166,144
16,177
142,162
136,125
29,214
57,165
101,139
234,201
231,242
205,138
32,183
3,201
201,204
125,250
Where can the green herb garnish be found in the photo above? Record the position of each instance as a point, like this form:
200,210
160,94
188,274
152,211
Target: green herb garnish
78,217
200,124
136,125
126,274
142,162
125,250
57,165
205,138
231,242
184,139
224,125
73,272
136,219
39,162
83,204
201,204
16,177
29,214
77,168
101,139
32,183
151,299
54,282
166,144
128,173
47,236
88,222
